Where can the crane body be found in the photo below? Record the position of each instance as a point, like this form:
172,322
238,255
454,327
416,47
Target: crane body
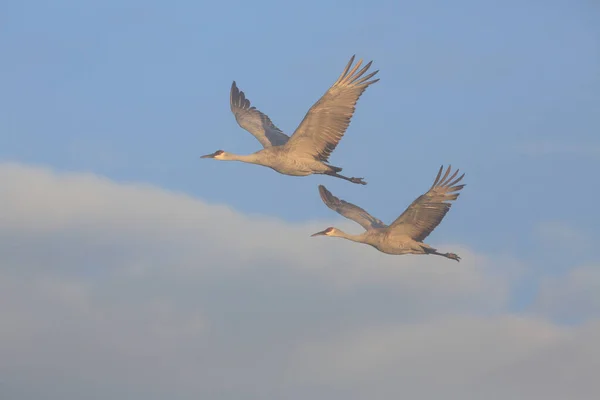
406,234
307,151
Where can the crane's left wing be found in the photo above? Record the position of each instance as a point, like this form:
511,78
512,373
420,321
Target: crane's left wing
428,210
254,121
327,120
349,210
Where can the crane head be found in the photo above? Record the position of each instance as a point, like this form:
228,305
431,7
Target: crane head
327,232
217,154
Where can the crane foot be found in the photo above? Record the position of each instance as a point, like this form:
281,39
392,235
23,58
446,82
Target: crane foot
453,256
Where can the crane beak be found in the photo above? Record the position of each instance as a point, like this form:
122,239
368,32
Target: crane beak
211,155
322,233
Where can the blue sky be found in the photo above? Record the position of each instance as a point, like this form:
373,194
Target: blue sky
138,90
509,92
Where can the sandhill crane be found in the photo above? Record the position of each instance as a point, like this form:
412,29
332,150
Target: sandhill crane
406,234
307,151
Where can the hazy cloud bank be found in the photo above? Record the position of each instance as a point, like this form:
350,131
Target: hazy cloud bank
127,291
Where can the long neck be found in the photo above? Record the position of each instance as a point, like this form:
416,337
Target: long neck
247,158
361,238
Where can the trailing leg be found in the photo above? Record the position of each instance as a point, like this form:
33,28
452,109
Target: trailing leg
353,180
431,250
451,256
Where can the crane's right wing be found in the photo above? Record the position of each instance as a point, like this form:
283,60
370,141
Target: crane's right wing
428,210
327,120
254,121
349,210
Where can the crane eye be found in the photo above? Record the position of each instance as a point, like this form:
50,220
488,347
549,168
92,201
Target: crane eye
219,152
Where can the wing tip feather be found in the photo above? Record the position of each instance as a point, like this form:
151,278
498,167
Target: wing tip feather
350,74
437,178
328,198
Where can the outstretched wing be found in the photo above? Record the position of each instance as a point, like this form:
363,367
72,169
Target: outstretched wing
254,121
327,120
349,210
428,210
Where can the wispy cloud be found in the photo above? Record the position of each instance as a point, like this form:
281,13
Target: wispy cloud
573,296
561,235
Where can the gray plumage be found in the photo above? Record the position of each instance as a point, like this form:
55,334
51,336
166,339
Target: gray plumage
406,234
307,151
255,122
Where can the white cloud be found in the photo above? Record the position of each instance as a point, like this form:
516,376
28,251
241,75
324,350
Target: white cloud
138,227
127,291
457,357
560,235
573,296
